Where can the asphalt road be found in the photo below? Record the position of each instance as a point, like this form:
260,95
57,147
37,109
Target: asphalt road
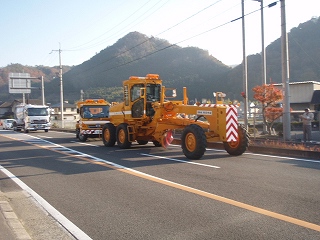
150,193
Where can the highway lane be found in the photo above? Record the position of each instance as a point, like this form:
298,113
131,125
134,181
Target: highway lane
107,194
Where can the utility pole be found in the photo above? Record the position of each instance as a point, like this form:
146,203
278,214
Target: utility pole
263,50
285,75
263,56
245,70
42,90
61,85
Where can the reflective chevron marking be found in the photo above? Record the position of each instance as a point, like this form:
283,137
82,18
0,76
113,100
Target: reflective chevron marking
231,120
231,124
217,105
86,132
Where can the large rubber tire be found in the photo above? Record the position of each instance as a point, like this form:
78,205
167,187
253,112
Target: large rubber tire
109,135
239,147
123,136
77,133
157,144
142,142
193,142
46,130
82,137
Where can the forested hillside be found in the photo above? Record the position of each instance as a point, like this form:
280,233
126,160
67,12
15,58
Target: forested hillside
136,54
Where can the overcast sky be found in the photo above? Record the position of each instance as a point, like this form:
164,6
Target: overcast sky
32,29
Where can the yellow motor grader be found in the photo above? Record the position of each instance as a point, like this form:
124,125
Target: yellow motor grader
147,114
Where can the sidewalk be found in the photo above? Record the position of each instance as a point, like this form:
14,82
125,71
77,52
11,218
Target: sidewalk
21,217
296,136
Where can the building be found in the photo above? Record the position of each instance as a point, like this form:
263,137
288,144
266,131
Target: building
69,111
303,95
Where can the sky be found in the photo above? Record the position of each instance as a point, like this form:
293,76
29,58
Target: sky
33,31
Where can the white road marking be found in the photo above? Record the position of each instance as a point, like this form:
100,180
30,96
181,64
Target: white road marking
178,160
168,183
273,156
41,136
288,158
72,228
88,144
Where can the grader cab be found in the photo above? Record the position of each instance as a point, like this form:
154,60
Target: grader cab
148,114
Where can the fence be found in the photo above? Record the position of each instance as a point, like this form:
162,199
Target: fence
68,124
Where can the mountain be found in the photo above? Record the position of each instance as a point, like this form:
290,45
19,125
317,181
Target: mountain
48,74
136,54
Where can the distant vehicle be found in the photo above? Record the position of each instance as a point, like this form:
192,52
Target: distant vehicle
93,114
30,117
7,124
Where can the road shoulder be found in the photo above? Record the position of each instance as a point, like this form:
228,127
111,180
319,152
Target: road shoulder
35,221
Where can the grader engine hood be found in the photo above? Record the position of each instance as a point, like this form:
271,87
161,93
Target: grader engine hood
227,117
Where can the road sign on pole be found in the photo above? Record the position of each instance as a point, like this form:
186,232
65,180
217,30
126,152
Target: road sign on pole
19,83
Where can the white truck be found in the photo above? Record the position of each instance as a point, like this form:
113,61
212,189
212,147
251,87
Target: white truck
30,117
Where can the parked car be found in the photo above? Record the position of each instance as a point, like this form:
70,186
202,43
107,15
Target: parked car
7,124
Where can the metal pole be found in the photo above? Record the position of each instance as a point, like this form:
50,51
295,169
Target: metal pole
285,75
42,90
263,56
61,88
263,51
245,77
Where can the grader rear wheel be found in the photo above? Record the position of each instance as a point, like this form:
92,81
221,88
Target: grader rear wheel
123,136
193,142
109,135
237,148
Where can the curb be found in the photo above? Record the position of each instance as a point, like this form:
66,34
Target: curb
13,221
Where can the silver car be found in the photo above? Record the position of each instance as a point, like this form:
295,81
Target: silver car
7,124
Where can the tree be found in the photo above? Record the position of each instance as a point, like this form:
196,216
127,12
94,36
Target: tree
269,96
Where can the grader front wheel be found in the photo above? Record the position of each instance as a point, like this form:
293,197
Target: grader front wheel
193,142
237,148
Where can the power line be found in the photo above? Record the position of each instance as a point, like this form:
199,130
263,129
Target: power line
102,41
186,39
197,35
157,34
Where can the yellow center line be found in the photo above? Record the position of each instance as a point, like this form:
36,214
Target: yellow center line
193,190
